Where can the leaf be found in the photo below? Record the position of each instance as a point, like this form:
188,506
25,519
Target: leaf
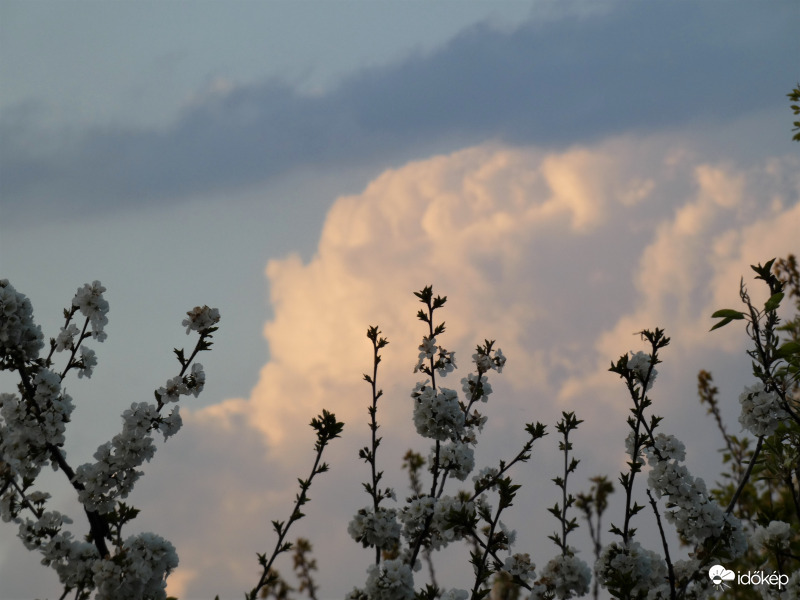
774,302
721,323
728,313
788,349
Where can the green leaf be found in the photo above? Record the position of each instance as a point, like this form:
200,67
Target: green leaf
773,302
788,349
728,313
721,324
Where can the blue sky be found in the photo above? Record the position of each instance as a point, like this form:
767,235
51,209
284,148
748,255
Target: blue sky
567,173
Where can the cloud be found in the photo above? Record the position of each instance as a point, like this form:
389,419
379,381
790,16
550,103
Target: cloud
560,256
550,81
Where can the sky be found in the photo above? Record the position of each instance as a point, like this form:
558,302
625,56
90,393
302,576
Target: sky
566,173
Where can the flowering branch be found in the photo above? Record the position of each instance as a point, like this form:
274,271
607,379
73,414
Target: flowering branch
327,428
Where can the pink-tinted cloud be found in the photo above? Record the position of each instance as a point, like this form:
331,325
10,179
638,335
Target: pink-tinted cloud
561,257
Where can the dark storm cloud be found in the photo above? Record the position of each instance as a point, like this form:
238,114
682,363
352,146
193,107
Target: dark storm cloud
640,67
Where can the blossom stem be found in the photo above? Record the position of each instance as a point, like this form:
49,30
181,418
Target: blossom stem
664,544
746,476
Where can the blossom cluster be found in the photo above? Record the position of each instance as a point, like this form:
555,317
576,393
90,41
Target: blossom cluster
90,302
565,576
696,516
438,514
20,338
27,433
776,535
32,432
437,414
443,362
200,319
138,571
642,570
639,363
761,410
520,566
457,458
390,580
375,528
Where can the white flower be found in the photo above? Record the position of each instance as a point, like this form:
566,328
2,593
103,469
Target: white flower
642,569
639,363
761,410
381,530
446,362
20,337
115,472
668,447
520,565
141,571
170,425
437,415
66,337
90,301
696,516
629,448
476,389
201,318
173,390
197,379
499,360
775,535
483,362
567,576
390,580
457,457
88,362
427,348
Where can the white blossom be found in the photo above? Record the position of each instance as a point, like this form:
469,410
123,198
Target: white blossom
520,565
197,379
200,319
20,337
761,410
457,457
66,337
90,302
146,560
170,425
639,363
427,349
776,535
567,576
499,360
173,390
381,529
696,516
483,362
473,391
437,415
115,472
667,446
390,580
88,362
442,531
641,568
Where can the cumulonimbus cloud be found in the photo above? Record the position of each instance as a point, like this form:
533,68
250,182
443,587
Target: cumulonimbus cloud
561,257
